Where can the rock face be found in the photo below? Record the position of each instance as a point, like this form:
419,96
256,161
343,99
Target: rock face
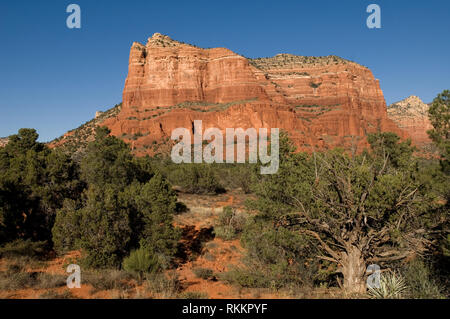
320,101
98,114
411,115
3,141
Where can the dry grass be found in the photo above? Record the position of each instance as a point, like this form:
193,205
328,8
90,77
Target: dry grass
165,286
56,295
193,295
107,280
15,279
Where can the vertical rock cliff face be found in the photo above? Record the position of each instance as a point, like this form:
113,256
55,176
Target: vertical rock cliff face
411,115
340,99
166,72
321,101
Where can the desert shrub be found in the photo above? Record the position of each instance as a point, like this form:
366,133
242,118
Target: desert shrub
277,257
392,286
66,230
141,261
245,278
235,176
441,263
47,281
263,276
105,229
156,204
22,263
22,247
420,282
106,279
193,295
439,115
126,205
34,180
243,177
203,273
17,280
15,268
164,285
259,277
108,161
211,178
17,277
229,224
56,295
197,179
224,232
226,216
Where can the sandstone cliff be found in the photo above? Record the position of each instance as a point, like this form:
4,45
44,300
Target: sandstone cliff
411,115
321,101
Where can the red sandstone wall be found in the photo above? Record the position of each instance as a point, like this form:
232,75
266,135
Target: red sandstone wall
343,100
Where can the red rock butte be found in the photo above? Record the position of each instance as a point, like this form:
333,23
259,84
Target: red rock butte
321,102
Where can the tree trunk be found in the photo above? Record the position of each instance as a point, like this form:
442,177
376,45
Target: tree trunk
353,269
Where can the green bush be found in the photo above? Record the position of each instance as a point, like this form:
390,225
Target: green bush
34,180
420,283
125,205
66,230
156,204
223,176
141,261
248,278
197,179
226,216
235,176
277,258
22,247
225,232
203,273
105,229
229,224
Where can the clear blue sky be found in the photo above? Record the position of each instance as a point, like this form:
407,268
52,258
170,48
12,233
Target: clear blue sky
54,79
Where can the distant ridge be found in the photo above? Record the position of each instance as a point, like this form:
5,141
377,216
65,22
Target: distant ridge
411,115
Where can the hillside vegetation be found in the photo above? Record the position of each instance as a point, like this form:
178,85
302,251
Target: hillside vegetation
316,224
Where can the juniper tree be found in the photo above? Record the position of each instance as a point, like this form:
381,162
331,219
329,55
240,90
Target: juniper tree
359,209
125,206
34,181
439,114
